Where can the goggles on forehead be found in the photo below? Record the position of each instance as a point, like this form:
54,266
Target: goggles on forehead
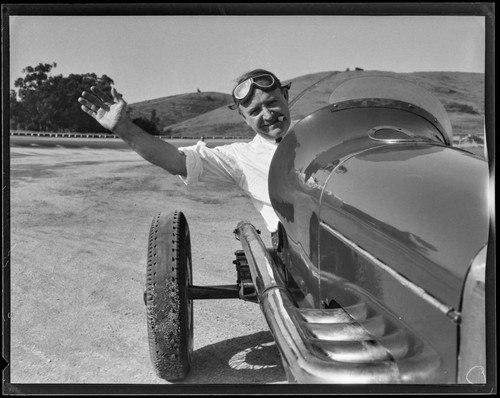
265,82
242,91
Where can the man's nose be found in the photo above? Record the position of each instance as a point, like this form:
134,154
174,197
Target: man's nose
267,113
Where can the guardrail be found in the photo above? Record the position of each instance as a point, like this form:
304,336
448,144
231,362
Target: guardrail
61,135
98,135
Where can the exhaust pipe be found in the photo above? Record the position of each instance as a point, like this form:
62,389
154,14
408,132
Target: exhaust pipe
301,340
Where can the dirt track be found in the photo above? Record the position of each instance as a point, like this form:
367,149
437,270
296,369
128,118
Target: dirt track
80,220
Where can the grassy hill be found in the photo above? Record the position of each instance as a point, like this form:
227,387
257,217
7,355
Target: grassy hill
207,114
178,108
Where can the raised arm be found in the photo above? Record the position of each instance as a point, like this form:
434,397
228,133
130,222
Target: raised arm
112,115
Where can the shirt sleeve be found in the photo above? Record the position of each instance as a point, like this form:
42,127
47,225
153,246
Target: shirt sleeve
210,165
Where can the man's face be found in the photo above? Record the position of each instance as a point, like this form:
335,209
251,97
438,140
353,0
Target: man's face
265,111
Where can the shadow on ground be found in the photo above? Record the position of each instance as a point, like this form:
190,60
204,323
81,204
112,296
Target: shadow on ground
247,359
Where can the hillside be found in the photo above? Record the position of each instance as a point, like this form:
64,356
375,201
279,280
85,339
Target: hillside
207,114
178,108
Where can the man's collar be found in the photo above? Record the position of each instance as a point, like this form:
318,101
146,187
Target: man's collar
265,140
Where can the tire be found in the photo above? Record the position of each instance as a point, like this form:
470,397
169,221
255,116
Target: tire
169,311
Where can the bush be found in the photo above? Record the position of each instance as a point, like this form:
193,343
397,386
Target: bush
146,125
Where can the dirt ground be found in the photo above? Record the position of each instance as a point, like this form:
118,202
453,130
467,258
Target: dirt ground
79,225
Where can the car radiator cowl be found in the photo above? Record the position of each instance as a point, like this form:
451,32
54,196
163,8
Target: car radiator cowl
332,345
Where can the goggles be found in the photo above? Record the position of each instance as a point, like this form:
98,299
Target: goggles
242,91
264,82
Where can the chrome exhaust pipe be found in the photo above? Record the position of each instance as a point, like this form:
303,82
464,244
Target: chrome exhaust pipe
311,356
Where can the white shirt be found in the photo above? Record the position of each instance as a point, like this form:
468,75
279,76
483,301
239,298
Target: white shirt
244,164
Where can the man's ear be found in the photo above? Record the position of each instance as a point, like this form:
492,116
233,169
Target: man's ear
284,90
285,93
242,115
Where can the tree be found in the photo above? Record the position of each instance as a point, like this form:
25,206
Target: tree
16,110
155,121
50,103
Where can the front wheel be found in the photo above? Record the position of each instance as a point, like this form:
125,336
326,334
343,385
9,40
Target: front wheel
169,310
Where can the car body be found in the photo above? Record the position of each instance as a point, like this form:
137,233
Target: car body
379,276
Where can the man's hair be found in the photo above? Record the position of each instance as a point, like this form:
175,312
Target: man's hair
248,75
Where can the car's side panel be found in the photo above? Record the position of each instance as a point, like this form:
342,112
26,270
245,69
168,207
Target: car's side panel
341,264
420,209
303,163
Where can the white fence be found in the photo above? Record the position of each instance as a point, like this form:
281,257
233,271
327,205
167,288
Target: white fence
61,135
97,135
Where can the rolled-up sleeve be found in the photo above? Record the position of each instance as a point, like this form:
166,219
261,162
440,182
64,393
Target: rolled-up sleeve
194,166
210,165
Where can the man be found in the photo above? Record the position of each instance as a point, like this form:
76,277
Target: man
261,101
201,141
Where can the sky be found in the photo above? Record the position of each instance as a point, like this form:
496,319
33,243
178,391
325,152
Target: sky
150,57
